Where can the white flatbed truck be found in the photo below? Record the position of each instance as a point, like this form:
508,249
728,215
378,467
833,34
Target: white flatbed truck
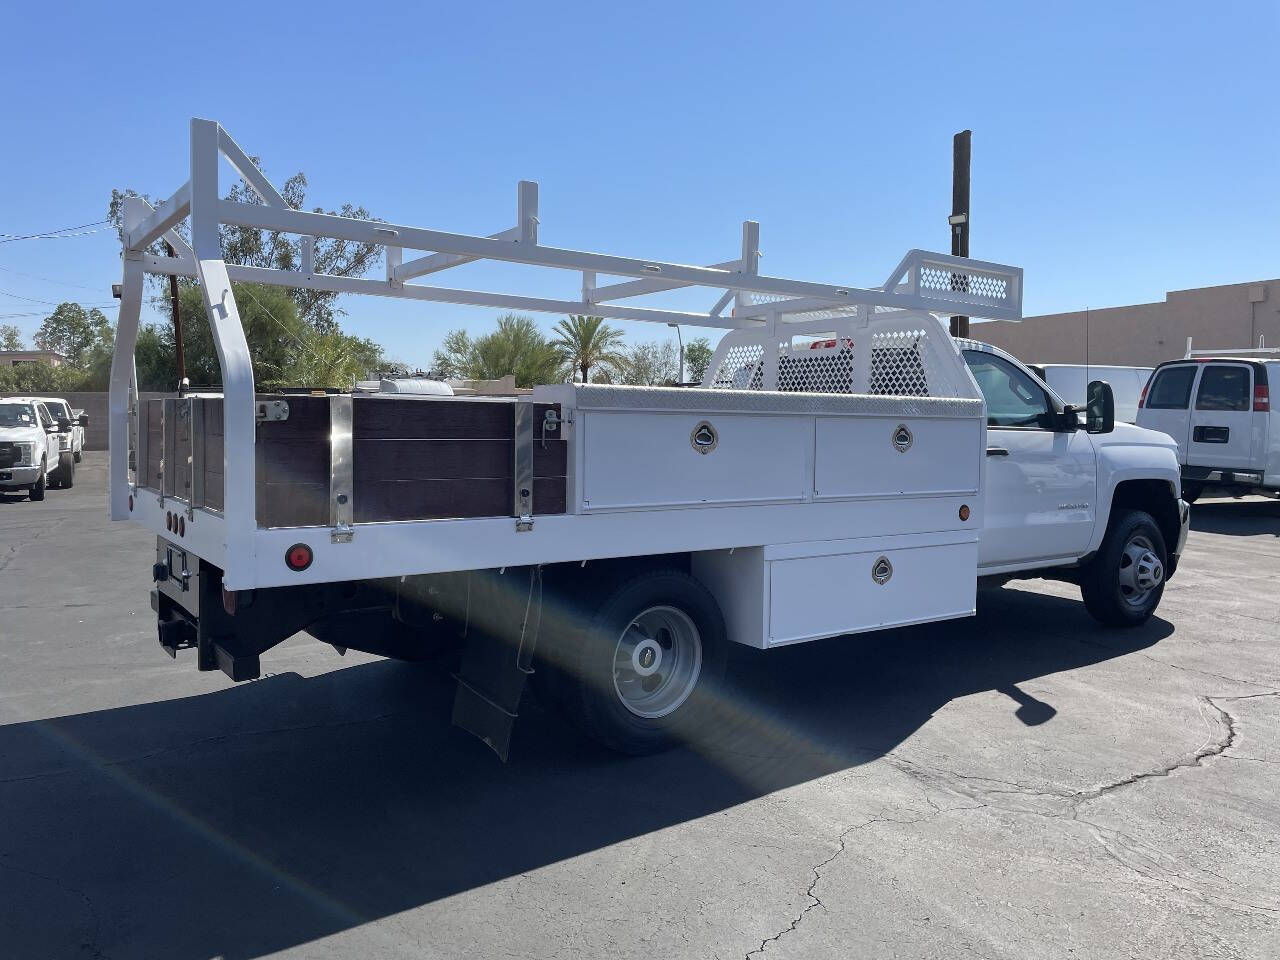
845,466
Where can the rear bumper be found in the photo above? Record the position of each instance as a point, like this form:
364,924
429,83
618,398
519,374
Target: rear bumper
1227,476
12,477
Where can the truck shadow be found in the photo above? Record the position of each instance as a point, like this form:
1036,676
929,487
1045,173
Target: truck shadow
268,815
1237,517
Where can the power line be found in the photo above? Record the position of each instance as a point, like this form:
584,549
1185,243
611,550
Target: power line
56,234
36,276
53,303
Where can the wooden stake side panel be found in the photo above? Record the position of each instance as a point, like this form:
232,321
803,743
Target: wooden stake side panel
414,459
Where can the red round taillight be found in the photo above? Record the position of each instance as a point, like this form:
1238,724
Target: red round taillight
964,511
168,522
182,526
298,557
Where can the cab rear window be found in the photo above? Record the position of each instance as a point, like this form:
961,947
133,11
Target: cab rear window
1171,389
1223,388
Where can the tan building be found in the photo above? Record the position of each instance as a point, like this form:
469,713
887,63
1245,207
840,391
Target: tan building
1145,334
11,358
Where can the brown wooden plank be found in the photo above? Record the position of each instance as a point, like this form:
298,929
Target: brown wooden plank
458,498
384,418
293,504
290,460
450,459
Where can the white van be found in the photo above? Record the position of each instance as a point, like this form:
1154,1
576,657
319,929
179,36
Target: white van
1218,410
1070,381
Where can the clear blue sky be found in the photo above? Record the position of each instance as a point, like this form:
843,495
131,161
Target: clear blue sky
1118,150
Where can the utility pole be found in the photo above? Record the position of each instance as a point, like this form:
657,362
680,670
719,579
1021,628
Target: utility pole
177,324
959,219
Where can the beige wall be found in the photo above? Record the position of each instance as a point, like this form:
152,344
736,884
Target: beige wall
1146,333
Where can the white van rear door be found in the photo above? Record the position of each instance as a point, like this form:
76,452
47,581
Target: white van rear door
1168,405
1222,417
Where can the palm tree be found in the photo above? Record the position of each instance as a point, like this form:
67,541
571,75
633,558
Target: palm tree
586,342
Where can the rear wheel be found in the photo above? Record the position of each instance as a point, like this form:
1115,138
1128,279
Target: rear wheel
65,476
636,673
36,491
1191,491
1123,584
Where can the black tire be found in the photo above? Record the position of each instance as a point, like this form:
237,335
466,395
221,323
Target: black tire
36,491
65,476
1192,491
79,455
1103,581
577,661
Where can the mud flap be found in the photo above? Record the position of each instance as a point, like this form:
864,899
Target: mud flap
498,656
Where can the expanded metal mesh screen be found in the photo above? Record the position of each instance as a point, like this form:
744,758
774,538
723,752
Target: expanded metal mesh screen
819,369
899,367
982,285
740,368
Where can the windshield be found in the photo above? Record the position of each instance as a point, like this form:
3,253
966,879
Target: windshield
17,415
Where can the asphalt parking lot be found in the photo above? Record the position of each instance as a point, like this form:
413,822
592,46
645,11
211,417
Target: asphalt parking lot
1024,784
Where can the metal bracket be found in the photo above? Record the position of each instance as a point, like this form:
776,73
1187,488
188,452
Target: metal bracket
341,470
522,472
272,411
551,421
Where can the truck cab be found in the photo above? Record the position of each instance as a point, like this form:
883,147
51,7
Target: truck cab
1217,409
1055,489
28,446
71,424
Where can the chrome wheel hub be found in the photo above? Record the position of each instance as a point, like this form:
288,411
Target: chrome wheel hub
656,662
1141,570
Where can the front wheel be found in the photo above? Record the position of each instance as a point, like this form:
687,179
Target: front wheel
1123,584
637,673
65,476
36,491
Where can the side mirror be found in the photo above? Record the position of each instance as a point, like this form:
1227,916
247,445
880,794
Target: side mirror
63,424
1100,416
1069,419
51,428
83,419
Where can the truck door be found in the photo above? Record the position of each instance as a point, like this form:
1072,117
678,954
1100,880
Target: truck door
1041,480
1222,419
50,439
1167,407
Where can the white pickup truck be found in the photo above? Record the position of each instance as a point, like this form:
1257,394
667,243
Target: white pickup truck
29,448
845,466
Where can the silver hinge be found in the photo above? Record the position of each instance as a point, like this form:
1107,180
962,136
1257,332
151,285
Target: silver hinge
522,472
271,411
341,470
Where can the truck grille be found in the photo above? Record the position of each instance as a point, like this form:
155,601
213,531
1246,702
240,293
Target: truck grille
8,454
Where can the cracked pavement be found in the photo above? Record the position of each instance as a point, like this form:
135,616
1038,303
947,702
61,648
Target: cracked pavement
1021,785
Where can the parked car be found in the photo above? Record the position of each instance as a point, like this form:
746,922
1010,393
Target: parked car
28,445
70,432
1229,436
1071,382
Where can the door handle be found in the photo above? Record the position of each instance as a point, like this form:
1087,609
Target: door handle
1209,434
997,452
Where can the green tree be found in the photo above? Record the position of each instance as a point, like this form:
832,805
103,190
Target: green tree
697,357
271,248
585,342
39,378
75,332
656,363
10,337
517,348
286,351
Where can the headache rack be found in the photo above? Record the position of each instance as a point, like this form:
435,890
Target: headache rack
205,463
